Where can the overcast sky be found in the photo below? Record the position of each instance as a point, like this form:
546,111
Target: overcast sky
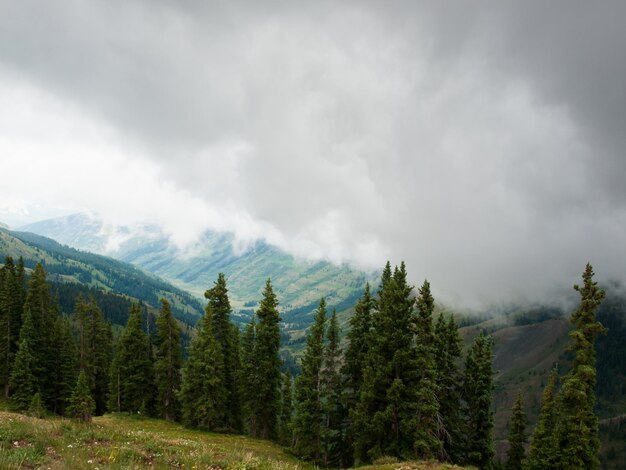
481,142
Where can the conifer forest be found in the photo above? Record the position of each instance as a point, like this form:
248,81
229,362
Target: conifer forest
394,382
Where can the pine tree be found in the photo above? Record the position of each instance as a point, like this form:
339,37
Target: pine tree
385,414
39,303
23,383
286,412
36,408
131,373
226,335
64,365
202,393
427,441
81,403
353,367
517,436
333,410
168,362
578,425
447,350
11,303
250,378
477,388
307,425
268,361
544,444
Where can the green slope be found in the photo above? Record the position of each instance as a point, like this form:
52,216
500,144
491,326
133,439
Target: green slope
67,265
298,283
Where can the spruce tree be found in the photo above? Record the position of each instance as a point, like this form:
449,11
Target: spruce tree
268,361
64,365
81,404
385,414
250,378
307,425
226,335
11,303
578,425
477,387
202,393
23,384
447,351
517,436
286,412
543,449
39,303
333,410
132,371
354,365
168,363
427,441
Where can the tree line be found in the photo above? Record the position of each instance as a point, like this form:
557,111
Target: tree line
398,386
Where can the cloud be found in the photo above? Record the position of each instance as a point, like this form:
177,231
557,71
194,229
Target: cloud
483,144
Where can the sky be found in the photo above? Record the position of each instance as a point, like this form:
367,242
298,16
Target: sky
484,143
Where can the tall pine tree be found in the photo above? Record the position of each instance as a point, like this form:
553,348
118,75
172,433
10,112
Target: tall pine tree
23,384
131,374
517,436
477,387
202,393
449,381
250,379
168,363
333,410
385,414
543,449
226,335
578,425
11,303
268,362
307,426
286,412
427,440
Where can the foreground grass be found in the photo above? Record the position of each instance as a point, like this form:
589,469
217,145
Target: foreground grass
123,442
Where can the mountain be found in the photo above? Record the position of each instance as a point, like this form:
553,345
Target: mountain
298,283
67,265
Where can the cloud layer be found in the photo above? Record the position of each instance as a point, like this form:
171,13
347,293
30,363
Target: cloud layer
482,144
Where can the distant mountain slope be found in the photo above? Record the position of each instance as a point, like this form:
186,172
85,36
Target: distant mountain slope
299,284
65,264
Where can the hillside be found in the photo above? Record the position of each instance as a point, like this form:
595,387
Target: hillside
71,266
299,284
122,442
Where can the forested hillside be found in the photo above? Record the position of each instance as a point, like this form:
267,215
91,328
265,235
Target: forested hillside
68,265
299,283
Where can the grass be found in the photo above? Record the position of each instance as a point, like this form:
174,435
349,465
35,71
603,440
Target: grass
118,441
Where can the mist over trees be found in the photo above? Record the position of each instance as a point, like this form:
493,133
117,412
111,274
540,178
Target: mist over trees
397,386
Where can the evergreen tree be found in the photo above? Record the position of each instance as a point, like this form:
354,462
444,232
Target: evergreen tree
286,412
578,425
544,444
202,393
268,361
226,335
168,363
23,383
11,303
250,378
307,427
131,377
427,441
333,411
64,365
354,366
385,414
42,345
477,388
447,351
36,408
517,436
81,403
